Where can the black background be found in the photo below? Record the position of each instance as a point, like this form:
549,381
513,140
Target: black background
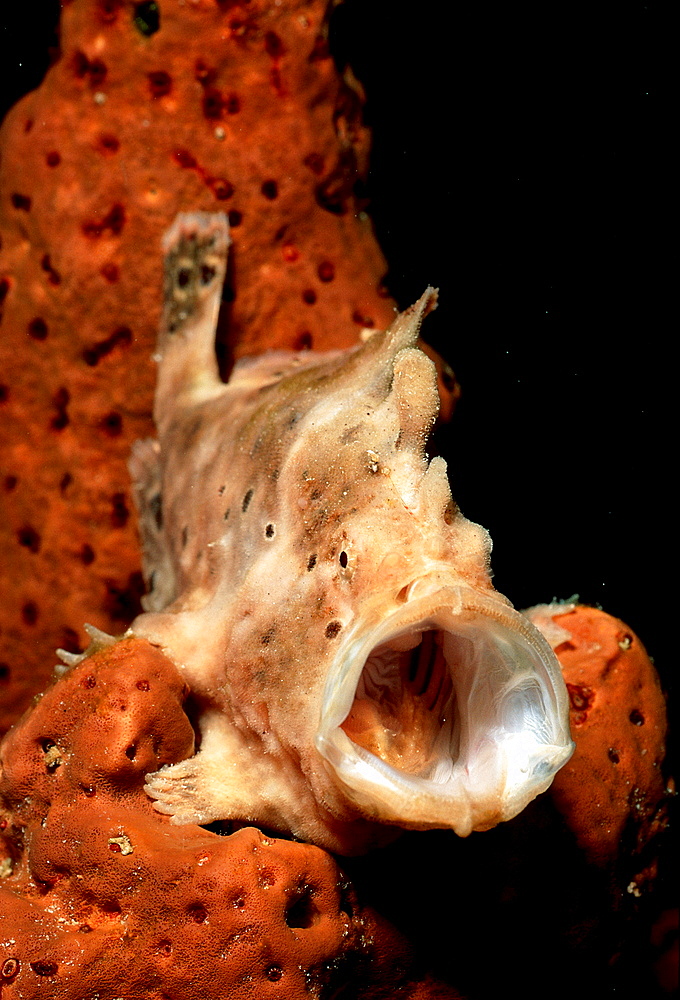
517,165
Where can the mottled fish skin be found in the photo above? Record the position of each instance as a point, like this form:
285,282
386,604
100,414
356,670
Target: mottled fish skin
292,526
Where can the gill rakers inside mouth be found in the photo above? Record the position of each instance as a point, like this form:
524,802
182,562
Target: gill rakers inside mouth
452,713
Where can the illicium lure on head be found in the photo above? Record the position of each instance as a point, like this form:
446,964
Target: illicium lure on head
330,608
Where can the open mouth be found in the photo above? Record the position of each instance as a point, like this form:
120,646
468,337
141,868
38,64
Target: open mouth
404,708
457,718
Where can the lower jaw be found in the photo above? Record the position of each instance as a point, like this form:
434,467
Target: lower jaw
500,727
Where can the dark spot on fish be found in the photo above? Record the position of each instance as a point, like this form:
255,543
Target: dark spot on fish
156,508
185,535
87,554
613,756
311,562
332,629
269,531
343,559
221,490
636,717
246,500
270,190
65,482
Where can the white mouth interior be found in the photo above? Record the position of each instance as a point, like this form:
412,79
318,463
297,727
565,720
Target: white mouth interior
456,720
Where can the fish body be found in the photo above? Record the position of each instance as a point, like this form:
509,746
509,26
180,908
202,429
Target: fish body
352,668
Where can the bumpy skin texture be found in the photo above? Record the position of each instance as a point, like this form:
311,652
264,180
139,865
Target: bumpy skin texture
102,897
225,106
331,610
612,792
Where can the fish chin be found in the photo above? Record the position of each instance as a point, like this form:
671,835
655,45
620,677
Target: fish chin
449,712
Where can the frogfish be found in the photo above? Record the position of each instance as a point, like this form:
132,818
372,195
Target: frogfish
352,668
